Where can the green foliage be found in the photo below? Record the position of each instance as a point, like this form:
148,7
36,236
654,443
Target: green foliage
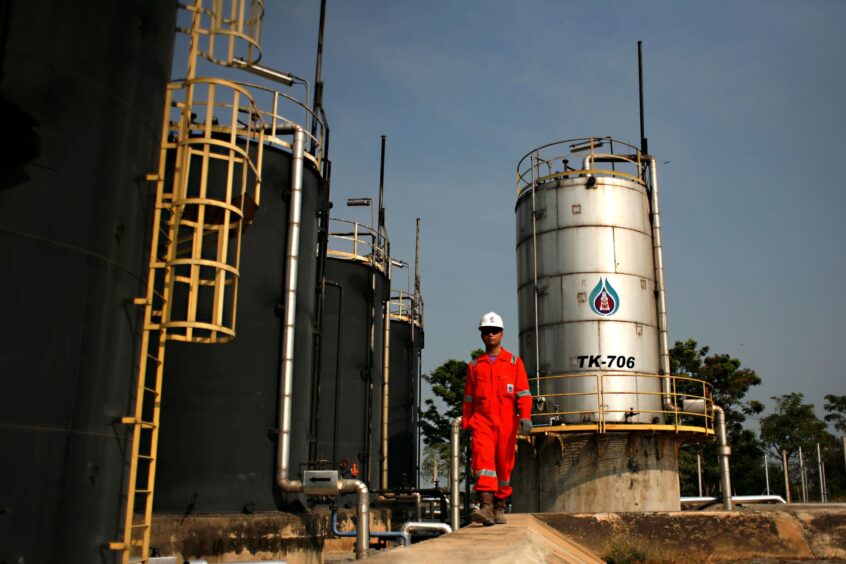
731,383
835,407
793,424
447,382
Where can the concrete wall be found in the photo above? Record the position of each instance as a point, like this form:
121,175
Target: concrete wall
591,473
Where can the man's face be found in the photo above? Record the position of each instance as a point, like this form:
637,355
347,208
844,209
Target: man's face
491,336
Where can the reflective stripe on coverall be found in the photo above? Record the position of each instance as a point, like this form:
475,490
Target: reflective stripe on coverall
493,396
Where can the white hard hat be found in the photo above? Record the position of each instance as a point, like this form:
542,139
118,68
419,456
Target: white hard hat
491,319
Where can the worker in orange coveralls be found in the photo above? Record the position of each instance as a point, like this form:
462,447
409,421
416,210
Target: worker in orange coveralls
497,402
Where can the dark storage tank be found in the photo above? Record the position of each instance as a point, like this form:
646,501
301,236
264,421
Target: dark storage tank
217,445
350,380
82,93
404,377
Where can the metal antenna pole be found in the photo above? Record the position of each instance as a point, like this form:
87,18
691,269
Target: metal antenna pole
767,472
786,475
644,145
318,79
802,477
699,472
822,475
382,190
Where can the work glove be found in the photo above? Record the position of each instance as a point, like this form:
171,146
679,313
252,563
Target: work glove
525,426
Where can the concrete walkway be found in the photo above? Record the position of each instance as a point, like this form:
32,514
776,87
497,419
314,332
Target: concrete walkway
524,539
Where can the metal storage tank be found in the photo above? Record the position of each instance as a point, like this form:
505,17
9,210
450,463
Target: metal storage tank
356,288
220,403
83,87
609,417
588,323
406,345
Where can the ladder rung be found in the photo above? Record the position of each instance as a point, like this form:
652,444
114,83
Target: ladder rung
134,421
141,526
117,545
154,358
151,390
145,457
143,492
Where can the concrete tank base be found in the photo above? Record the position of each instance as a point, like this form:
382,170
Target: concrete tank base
596,473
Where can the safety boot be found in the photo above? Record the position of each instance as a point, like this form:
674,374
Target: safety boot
499,511
484,514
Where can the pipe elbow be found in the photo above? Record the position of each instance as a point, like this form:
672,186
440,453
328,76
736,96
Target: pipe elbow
289,486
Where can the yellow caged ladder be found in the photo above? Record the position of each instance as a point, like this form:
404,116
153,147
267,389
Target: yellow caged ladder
207,189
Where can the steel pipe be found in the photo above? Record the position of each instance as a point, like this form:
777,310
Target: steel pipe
454,494
403,536
362,513
283,446
723,452
386,390
658,258
412,526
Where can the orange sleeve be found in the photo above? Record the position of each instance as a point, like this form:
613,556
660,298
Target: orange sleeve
524,395
469,388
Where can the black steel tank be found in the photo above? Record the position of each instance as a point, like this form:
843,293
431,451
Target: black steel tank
406,345
217,444
82,93
350,380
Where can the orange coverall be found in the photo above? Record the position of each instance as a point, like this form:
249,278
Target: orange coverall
493,396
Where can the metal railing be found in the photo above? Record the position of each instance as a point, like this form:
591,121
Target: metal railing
552,161
689,407
230,29
350,240
407,307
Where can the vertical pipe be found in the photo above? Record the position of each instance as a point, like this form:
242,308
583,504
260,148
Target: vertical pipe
786,475
386,373
802,477
283,447
535,283
723,452
844,450
362,512
767,472
454,494
699,472
658,257
821,473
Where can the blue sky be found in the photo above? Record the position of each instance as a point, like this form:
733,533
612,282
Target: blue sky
744,99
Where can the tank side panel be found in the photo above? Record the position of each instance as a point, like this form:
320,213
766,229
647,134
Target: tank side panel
345,389
587,237
219,407
402,436
83,87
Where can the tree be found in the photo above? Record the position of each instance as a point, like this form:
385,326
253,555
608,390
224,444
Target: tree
793,424
835,407
731,383
447,382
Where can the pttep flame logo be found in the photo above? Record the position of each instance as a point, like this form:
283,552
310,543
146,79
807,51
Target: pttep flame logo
603,299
